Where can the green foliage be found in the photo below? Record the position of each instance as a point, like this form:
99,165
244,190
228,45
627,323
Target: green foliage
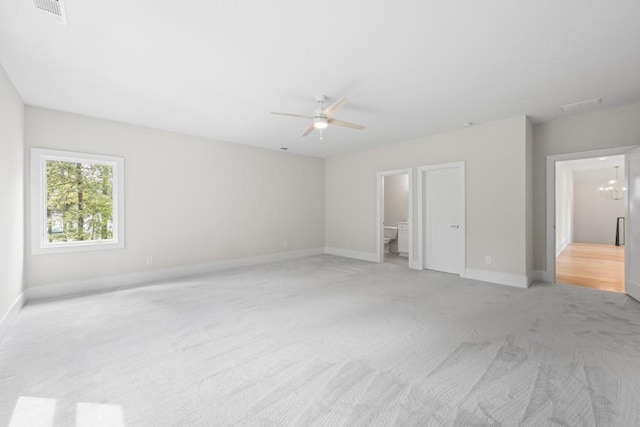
79,201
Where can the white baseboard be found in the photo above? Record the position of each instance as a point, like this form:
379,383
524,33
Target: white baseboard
497,277
563,246
110,283
347,253
10,315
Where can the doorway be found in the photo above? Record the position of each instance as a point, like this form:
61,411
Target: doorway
394,216
581,258
591,209
442,223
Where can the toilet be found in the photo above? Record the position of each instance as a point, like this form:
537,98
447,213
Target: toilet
390,233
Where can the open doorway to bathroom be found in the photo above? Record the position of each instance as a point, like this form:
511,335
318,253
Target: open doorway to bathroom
394,217
590,201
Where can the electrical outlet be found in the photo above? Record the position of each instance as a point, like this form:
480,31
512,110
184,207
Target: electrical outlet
487,259
286,245
346,242
149,260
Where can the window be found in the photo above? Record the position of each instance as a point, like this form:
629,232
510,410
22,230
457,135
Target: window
77,201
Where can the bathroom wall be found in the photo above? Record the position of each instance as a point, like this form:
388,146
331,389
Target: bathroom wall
594,217
396,199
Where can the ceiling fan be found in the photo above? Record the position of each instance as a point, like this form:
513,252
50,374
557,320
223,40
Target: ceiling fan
323,117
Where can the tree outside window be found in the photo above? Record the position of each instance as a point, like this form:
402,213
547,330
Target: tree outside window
77,201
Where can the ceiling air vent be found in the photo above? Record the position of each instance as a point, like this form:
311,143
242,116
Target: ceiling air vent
52,9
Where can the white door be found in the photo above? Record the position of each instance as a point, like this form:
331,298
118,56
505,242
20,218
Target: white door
444,219
632,238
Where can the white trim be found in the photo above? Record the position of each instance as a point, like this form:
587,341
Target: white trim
420,263
112,283
497,277
562,247
631,284
550,274
380,212
538,276
348,253
11,314
39,156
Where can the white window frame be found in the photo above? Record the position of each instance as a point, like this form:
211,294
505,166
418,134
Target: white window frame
39,237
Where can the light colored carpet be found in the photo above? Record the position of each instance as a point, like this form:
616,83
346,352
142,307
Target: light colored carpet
326,341
394,258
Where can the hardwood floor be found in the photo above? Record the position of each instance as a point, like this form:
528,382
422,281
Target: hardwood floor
592,266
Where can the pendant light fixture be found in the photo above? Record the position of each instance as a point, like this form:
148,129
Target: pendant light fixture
615,189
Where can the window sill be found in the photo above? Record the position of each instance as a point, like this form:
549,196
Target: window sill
77,247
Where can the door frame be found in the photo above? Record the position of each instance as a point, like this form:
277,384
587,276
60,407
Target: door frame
631,287
380,211
422,172
550,270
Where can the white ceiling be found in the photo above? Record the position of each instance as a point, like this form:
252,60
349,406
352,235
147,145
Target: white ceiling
407,69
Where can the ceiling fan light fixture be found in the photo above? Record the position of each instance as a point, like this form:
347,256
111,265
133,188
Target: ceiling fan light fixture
320,123
323,117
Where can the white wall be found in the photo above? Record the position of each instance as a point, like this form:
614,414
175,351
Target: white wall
496,191
564,206
616,127
594,216
396,199
188,200
11,194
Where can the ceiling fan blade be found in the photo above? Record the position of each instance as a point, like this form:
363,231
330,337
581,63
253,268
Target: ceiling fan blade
345,124
309,130
331,109
292,115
